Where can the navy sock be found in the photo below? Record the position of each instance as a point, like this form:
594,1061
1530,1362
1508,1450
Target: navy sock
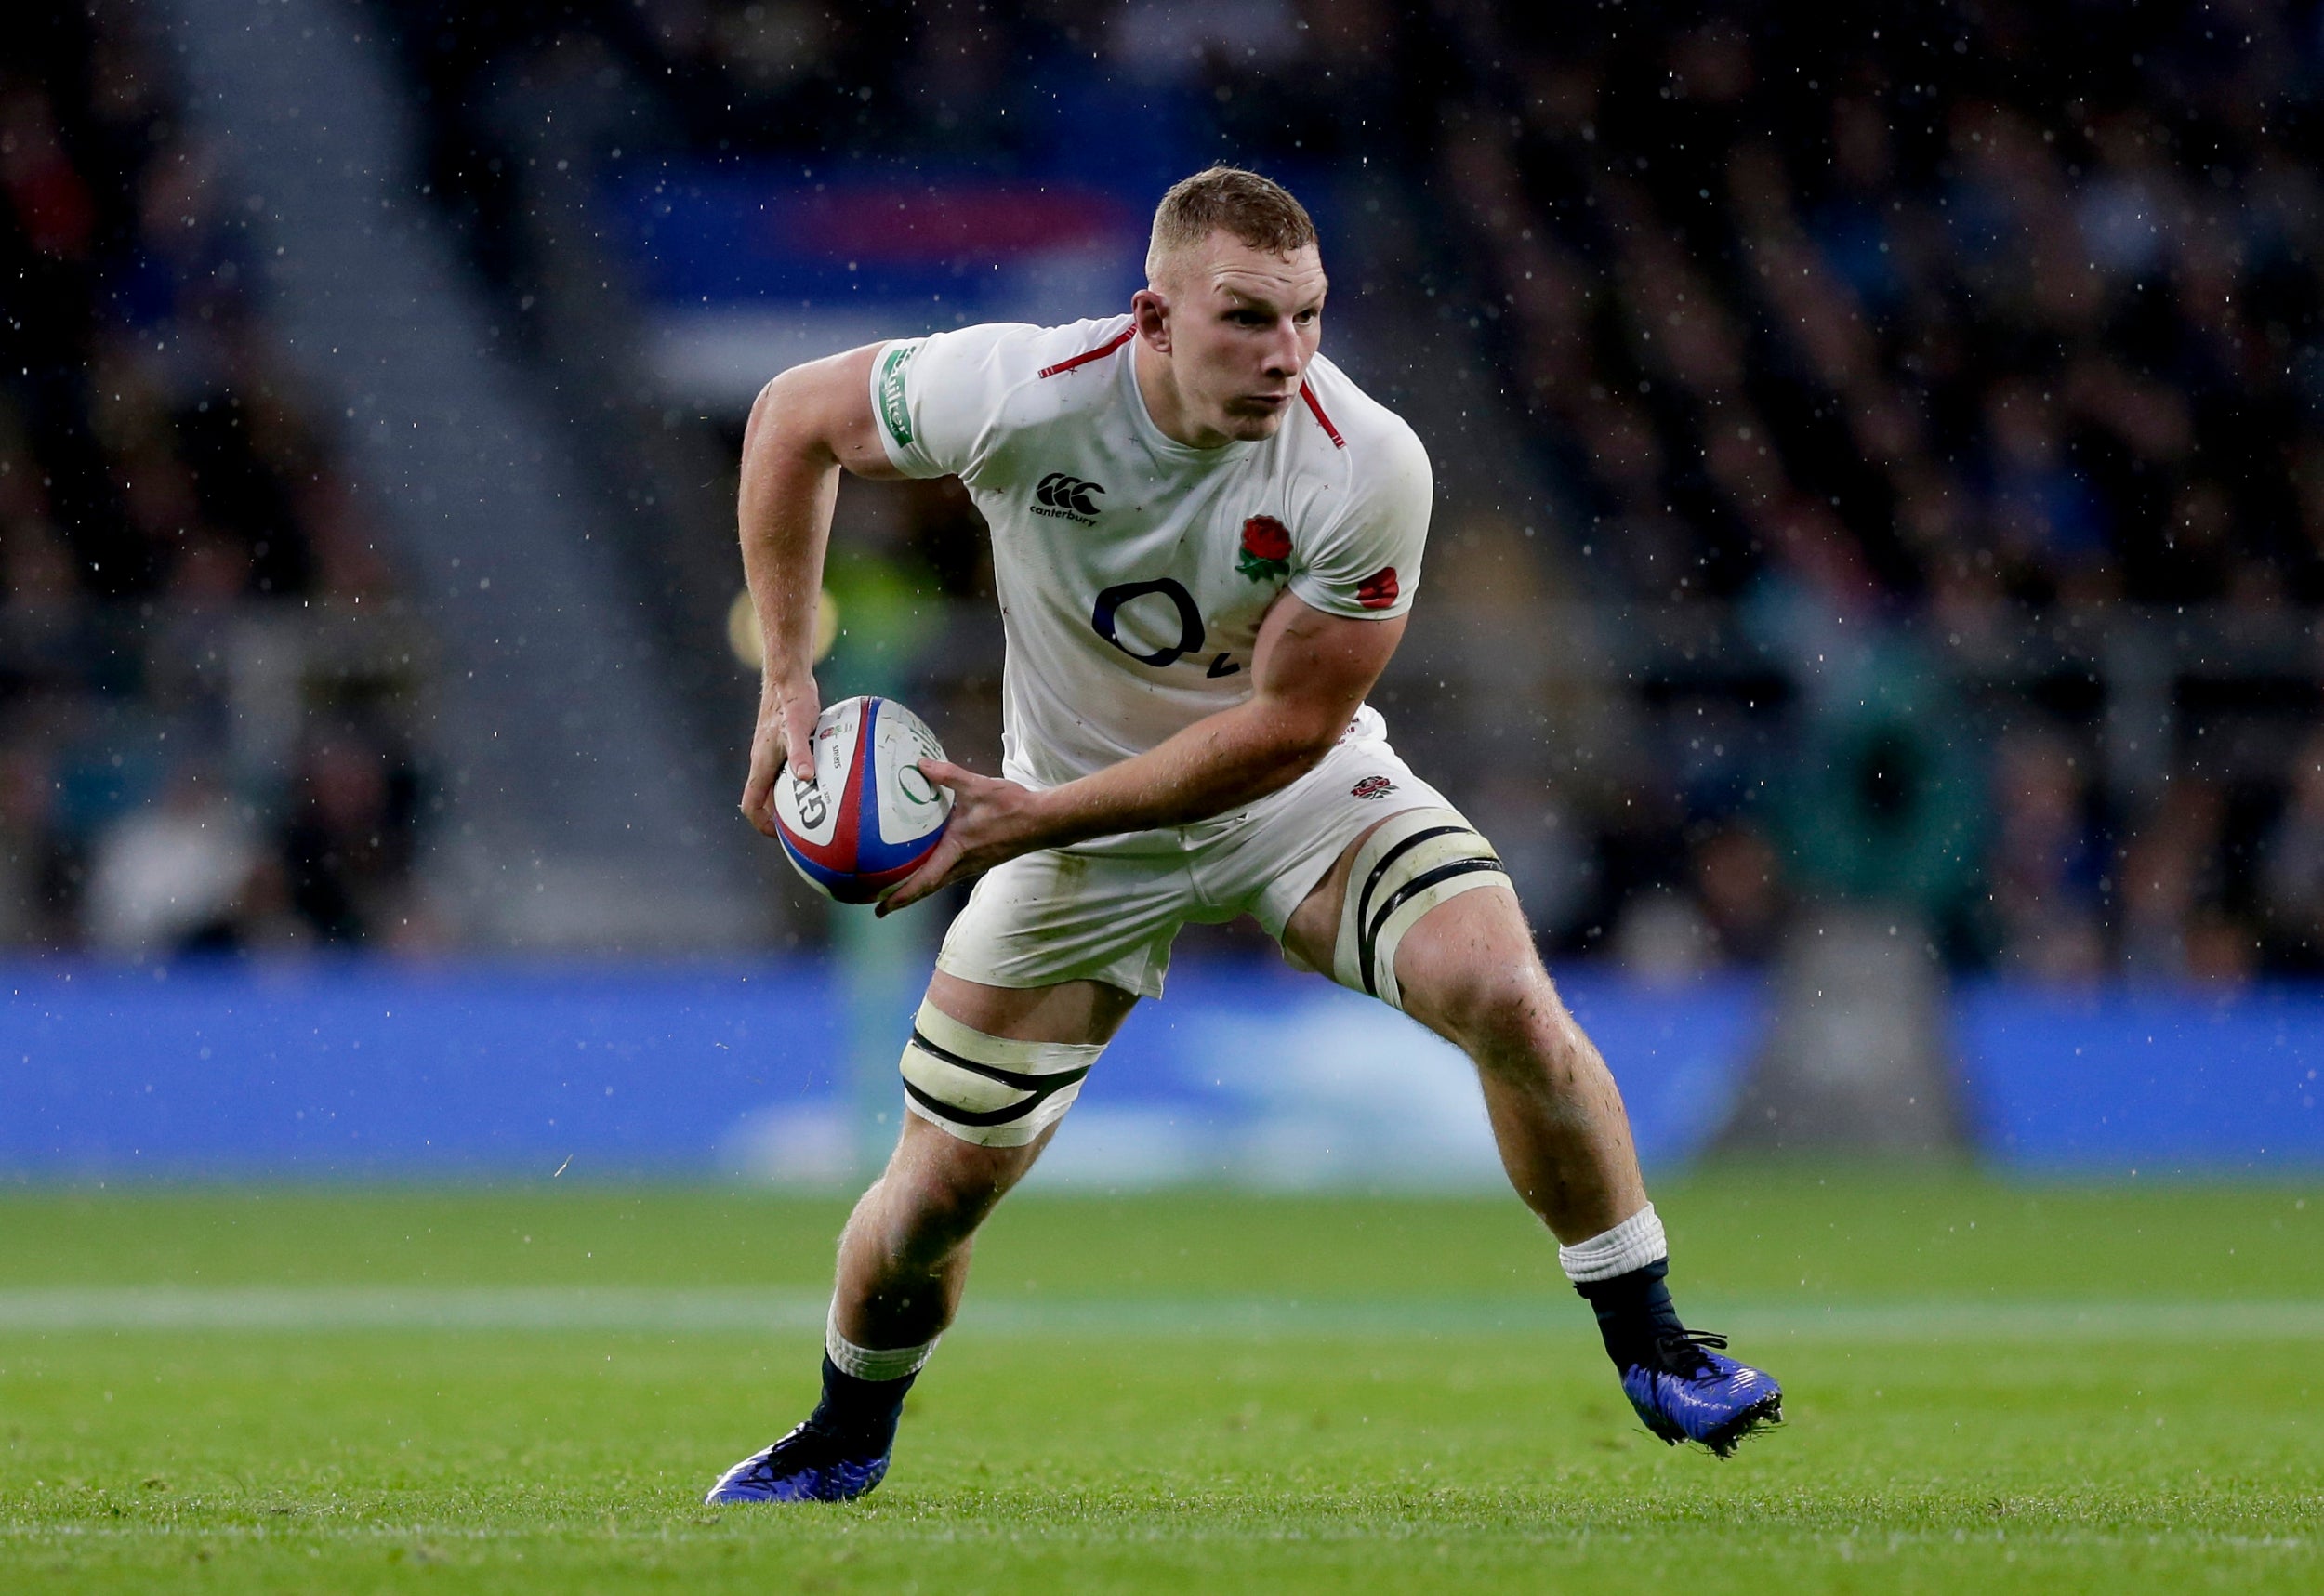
862,1412
1634,1313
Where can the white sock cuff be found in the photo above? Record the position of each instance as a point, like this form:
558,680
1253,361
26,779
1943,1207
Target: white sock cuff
868,1363
1633,1244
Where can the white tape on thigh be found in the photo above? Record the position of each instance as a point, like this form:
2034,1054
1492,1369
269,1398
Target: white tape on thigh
1413,861
989,1090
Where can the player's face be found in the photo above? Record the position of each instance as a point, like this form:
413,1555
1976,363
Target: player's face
1243,323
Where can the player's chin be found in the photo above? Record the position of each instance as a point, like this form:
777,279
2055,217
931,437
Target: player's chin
1253,424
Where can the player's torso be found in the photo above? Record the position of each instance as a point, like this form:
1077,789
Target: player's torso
1137,552
1134,571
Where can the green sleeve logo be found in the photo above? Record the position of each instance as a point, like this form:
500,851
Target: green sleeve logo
892,413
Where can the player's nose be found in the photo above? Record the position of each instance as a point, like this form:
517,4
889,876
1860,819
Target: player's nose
1286,357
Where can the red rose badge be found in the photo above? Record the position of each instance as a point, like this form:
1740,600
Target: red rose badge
1266,555
1377,591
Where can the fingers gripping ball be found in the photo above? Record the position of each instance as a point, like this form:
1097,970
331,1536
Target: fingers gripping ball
869,818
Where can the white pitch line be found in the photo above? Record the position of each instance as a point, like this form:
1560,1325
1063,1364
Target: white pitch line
401,1308
262,1308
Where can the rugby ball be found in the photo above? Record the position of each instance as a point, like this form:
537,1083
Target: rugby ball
869,818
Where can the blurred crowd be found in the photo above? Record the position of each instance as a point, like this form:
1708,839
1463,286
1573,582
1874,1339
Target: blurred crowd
177,771
1943,322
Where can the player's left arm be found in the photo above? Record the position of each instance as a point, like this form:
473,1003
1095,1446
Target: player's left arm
1310,672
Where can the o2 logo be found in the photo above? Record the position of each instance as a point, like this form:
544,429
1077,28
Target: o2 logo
1106,620
1106,617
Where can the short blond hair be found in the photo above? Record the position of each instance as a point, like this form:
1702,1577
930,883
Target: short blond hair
1251,209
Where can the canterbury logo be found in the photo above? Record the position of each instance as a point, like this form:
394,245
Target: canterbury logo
1062,494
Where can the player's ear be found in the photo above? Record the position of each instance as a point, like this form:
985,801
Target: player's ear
1150,313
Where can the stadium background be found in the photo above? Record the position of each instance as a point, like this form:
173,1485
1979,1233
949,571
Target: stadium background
1881,490
1872,604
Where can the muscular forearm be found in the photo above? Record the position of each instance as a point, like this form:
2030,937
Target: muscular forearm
808,425
1220,762
789,480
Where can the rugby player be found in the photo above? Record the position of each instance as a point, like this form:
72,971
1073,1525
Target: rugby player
1206,540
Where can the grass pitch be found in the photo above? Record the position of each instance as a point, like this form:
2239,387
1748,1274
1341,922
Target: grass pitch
1989,1387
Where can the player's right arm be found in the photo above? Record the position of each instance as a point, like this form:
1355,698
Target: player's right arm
805,426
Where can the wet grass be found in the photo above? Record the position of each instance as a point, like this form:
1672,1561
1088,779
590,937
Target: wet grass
2017,1388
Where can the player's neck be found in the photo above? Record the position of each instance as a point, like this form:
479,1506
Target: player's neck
1166,404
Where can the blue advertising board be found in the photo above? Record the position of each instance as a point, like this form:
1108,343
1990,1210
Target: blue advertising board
362,1070
1244,1072
2116,1080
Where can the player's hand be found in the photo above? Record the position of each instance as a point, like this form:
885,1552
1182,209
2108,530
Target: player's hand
785,734
992,821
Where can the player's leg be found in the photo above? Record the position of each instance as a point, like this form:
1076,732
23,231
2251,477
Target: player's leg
1052,950
1467,970
904,1257
1416,911
988,1072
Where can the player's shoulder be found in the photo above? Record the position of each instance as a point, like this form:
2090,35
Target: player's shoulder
1023,351
1069,348
1357,428
951,402
1369,443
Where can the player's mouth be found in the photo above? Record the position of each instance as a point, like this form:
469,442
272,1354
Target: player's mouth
1268,402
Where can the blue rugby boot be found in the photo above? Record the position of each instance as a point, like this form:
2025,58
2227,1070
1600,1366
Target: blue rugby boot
840,1454
805,1466
1692,1391
1677,1378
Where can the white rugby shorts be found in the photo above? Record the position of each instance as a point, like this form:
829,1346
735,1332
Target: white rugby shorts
1108,909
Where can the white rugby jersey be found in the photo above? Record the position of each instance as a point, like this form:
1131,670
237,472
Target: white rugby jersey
1133,570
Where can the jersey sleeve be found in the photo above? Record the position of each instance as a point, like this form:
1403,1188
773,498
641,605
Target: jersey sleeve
1367,564
936,398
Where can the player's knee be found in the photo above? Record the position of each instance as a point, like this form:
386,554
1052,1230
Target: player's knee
926,1207
1504,1013
917,1227
995,1091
